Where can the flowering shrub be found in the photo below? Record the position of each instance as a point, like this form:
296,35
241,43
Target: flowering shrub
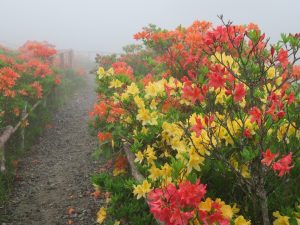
223,108
25,76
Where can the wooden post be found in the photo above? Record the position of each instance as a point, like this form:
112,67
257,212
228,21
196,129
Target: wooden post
24,112
130,157
62,60
3,139
2,163
134,171
70,58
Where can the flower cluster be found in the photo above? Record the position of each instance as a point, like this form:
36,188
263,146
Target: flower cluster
282,165
219,97
24,77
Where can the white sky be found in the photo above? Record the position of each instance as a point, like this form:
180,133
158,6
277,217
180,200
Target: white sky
107,25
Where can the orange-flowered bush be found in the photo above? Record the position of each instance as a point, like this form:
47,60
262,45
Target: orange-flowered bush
26,75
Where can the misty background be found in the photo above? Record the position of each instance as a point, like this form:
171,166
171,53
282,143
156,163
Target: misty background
105,26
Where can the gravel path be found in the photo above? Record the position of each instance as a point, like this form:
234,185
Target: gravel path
55,173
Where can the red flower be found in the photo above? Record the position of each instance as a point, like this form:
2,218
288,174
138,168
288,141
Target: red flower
198,127
283,57
247,133
192,93
280,114
291,98
268,157
162,201
239,92
176,206
148,78
179,217
283,165
271,111
255,114
216,80
191,194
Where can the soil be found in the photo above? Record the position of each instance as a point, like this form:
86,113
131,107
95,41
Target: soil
55,186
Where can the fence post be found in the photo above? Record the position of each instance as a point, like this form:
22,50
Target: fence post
2,153
62,60
70,58
3,139
24,112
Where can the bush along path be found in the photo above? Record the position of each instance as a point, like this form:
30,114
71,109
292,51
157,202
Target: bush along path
214,128
53,184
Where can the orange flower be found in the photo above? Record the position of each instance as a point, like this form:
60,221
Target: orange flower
268,157
8,79
57,80
103,136
23,92
120,165
37,49
100,109
16,111
38,88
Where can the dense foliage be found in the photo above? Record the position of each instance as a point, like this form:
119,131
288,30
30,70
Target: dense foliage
26,76
219,119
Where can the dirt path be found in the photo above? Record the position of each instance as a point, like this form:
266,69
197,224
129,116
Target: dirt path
56,172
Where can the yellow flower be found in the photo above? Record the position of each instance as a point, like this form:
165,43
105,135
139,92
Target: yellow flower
150,90
142,189
281,220
166,170
206,205
241,221
154,173
101,215
117,222
245,171
150,154
124,96
227,211
243,103
115,84
234,163
144,130
143,115
146,117
227,60
195,160
221,97
154,89
271,72
285,130
139,102
101,72
153,104
139,157
278,81
117,172
235,209
132,89
110,72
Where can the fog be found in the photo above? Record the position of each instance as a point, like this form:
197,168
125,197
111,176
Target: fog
105,26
